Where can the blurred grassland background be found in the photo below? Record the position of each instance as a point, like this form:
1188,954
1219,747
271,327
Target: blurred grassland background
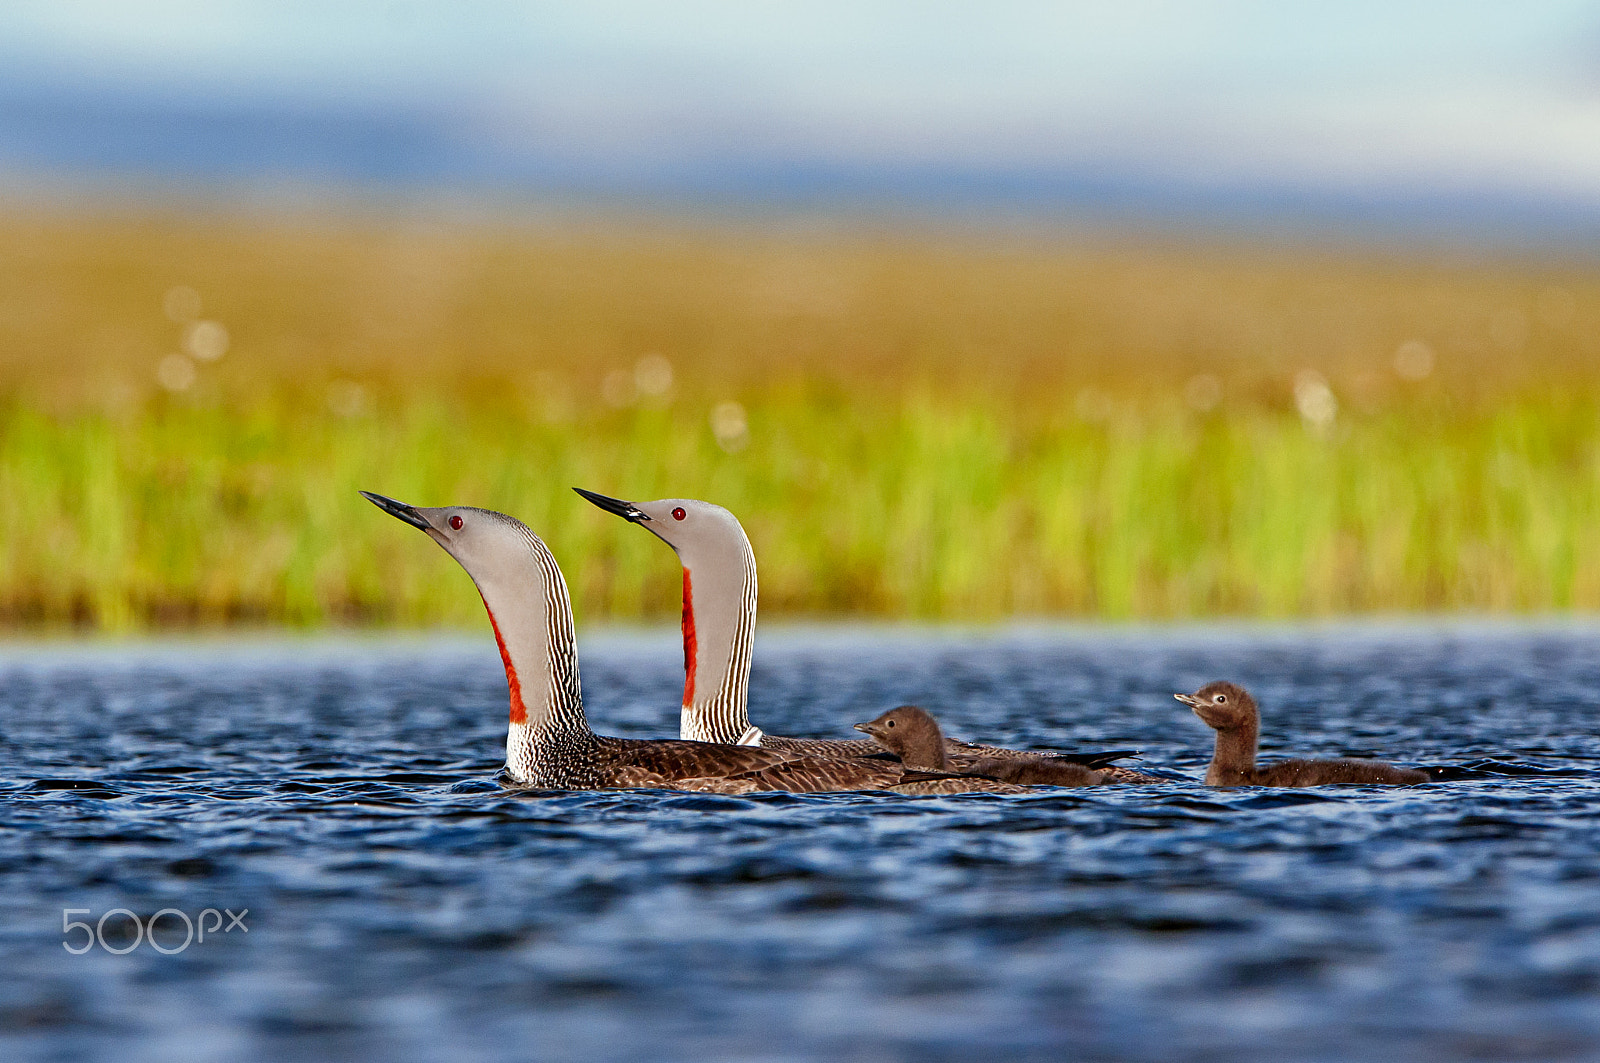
910,424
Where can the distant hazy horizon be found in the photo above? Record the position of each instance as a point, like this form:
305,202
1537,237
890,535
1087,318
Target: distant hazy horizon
1433,118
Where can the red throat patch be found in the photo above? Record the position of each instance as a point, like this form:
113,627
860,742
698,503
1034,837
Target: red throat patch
689,644
519,711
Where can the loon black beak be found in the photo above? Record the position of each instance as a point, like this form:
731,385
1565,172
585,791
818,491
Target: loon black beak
404,512
625,510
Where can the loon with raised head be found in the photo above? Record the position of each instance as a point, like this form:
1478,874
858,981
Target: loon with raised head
1228,709
719,623
549,743
913,735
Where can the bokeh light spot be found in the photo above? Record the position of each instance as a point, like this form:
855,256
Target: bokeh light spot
1315,400
731,426
206,340
652,376
346,398
176,373
1414,360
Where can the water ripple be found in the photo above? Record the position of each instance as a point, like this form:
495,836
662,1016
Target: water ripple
403,904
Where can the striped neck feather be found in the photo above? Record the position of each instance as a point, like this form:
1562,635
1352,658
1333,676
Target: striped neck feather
719,622
534,630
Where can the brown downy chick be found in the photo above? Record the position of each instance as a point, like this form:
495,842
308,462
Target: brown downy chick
1229,710
913,735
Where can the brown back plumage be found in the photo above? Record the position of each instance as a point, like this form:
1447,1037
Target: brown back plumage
708,767
913,735
962,756
1345,770
1035,771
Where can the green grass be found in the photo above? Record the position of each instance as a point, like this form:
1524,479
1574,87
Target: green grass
938,429
915,508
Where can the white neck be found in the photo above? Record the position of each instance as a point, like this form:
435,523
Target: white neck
532,617
719,623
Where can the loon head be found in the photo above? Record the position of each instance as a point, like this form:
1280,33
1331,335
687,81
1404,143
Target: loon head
705,536
910,733
1223,706
496,550
531,613
719,609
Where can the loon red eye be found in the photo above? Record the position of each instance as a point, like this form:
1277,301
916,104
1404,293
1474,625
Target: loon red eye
456,521
679,514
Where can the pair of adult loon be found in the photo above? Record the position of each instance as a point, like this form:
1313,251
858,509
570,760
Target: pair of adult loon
549,743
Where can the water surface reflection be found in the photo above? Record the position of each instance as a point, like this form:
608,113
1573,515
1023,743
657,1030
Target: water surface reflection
404,907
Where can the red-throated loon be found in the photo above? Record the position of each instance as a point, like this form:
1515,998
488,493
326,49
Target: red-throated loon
719,622
549,742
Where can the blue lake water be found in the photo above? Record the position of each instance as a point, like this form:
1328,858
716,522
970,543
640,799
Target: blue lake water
402,907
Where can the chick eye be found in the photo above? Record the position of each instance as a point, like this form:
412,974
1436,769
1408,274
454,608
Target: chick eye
456,521
679,514
1220,698
888,723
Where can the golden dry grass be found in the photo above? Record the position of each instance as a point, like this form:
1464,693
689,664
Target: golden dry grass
939,425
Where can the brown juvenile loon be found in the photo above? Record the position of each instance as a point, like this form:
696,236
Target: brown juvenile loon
719,622
913,735
549,742
1230,711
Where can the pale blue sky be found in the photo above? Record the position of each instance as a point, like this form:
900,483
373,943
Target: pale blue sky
1351,96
